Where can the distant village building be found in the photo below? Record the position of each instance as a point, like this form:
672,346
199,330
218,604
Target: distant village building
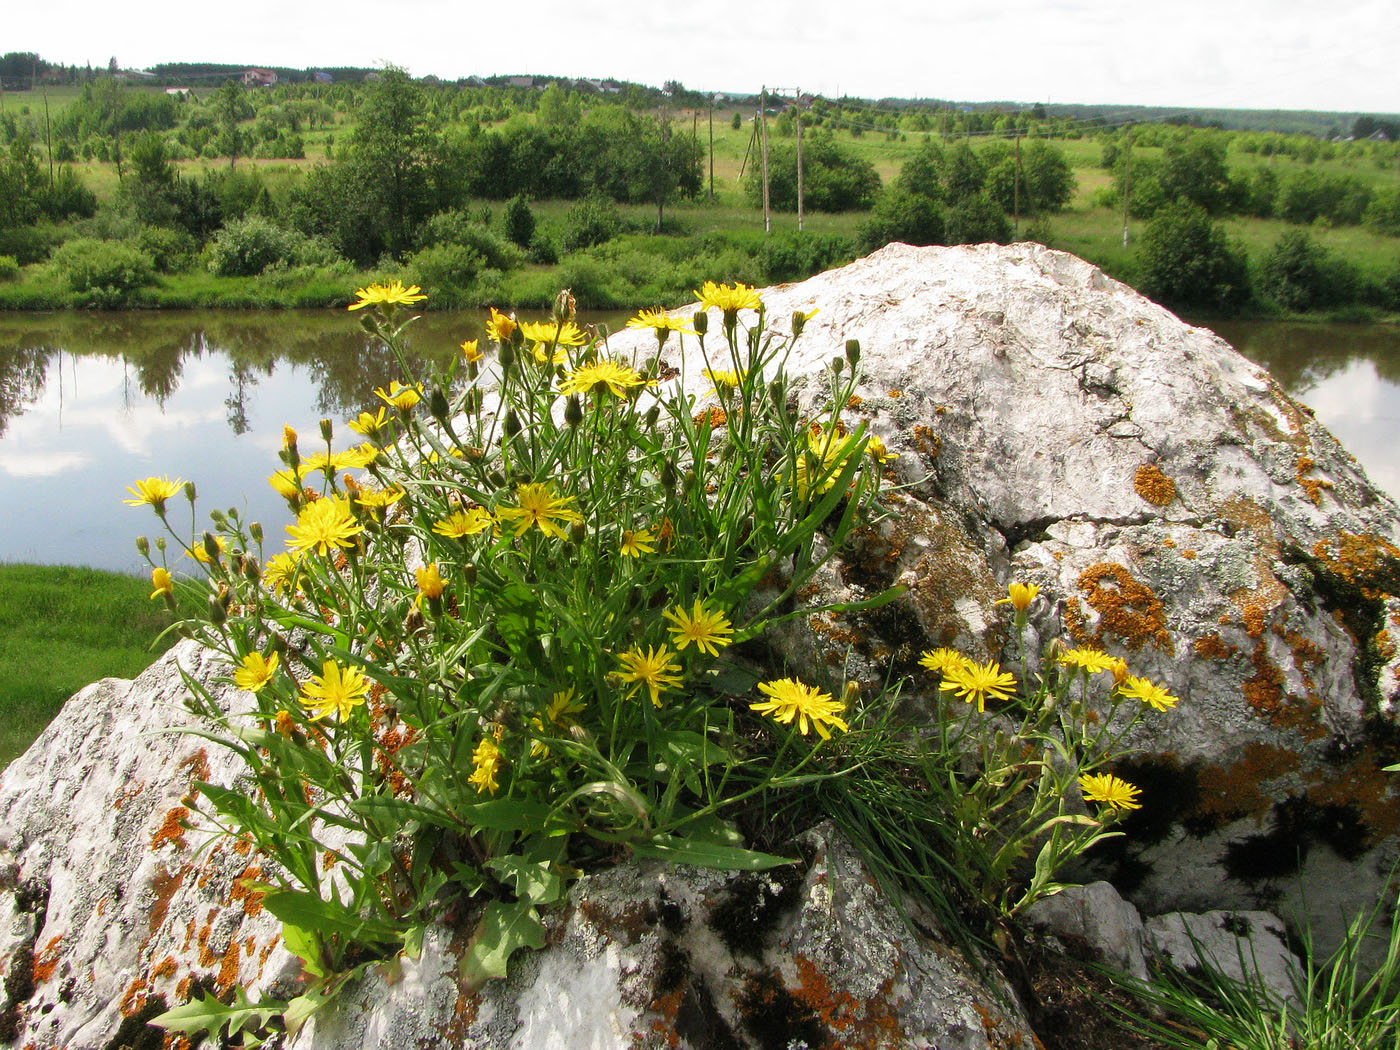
180,93
320,76
522,82
259,78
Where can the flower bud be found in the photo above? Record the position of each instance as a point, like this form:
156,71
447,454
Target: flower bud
668,475
701,321
255,530
573,411
190,493
278,644
469,574
506,356
653,416
837,364
211,546
160,544
251,571
564,306
326,431
217,613
143,546
799,322
777,394
218,518
510,426
578,532
437,404
851,693
853,351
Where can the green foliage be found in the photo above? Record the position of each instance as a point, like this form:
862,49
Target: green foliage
835,178
9,268
1185,261
976,219
1383,213
1193,169
247,247
446,269
109,267
1307,196
171,250
1299,275
465,229
902,215
519,222
593,220
1046,182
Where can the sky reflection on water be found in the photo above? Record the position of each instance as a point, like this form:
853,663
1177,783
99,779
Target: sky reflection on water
90,403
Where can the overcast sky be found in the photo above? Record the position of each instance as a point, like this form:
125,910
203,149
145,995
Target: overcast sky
1256,54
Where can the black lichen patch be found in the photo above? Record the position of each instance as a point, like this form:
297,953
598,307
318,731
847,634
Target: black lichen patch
775,1018
1273,854
1236,924
1343,829
752,907
670,915
136,1032
699,1022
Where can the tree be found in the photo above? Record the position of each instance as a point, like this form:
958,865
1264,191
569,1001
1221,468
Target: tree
1186,261
519,222
834,178
1300,274
902,215
1193,169
230,106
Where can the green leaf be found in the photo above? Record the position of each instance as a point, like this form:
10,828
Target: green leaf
533,880
503,929
306,946
209,1016
300,1009
307,911
507,814
708,855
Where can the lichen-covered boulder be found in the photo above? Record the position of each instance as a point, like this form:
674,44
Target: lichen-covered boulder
1177,508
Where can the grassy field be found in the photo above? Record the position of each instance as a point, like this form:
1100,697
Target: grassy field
60,629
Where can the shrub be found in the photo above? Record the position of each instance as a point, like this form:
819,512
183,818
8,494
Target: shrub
593,220
445,268
9,268
112,267
1301,275
1185,261
902,215
171,250
519,222
977,220
465,229
248,246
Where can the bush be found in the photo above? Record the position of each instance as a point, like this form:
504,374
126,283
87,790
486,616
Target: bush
1185,261
110,267
463,229
794,256
446,268
30,244
171,250
519,222
248,246
902,215
9,268
592,221
1301,275
977,220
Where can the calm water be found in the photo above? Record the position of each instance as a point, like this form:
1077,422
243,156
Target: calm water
91,402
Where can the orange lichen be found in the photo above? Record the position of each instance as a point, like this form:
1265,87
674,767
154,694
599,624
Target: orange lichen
1127,609
1152,485
1189,555
133,1000
46,961
1363,784
1264,692
861,1021
241,891
715,415
1365,559
1212,647
164,968
228,969
1385,645
1246,515
854,401
926,442
172,829
1314,487
197,764
1253,616
127,793
1236,790
895,393
1169,542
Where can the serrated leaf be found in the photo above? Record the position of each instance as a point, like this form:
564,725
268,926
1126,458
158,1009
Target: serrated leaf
310,912
210,1016
532,880
300,1009
708,855
503,929
306,946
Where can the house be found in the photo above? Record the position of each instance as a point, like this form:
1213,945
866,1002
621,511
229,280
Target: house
259,78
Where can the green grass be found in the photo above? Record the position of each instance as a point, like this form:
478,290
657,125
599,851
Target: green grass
60,629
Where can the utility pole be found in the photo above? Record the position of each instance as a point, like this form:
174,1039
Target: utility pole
1016,190
1127,181
712,147
48,136
797,104
763,144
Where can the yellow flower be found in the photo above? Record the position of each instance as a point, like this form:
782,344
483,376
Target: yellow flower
430,581
355,458
500,327
615,376
546,334
154,491
368,424
822,463
401,397
1092,660
324,524
561,706
876,447
539,506
1109,790
655,669
387,295
1119,668
378,499
486,767
255,672
335,691
287,484
709,629
788,699
280,570
1153,696
730,300
464,523
636,543
289,436
199,554
470,351
941,660
161,581
662,323
729,379
1019,596
322,461
978,682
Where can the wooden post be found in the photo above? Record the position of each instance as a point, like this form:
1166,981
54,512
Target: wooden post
712,147
763,145
1016,190
797,104
1127,182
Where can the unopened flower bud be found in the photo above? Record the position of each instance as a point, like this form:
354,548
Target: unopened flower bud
469,574
437,404
853,351
211,546
278,644
564,306
573,411
799,322
190,493
326,431
251,571
510,426
851,693
160,544
701,321
143,546
506,356
218,517
255,530
653,416
577,532
837,364
668,474
217,613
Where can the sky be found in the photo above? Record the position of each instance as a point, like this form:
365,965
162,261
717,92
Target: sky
1245,54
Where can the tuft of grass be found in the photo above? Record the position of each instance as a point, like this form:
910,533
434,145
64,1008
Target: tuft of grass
61,628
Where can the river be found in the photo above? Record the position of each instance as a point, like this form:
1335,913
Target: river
91,402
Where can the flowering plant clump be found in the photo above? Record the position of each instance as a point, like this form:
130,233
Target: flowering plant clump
490,661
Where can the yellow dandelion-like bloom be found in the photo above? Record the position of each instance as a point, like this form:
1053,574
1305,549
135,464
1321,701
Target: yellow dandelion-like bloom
322,461
615,376
369,424
1154,696
1109,790
357,457
544,334
401,397
255,672
978,682
876,447
790,699
379,499
153,491
537,505
1019,596
387,295
199,554
1091,660
470,351
941,660
637,542
486,767
729,379
656,669
287,483
323,525
562,707
280,571
289,436
708,629
730,299
660,322
162,582
823,461
430,581
335,691
462,523
499,327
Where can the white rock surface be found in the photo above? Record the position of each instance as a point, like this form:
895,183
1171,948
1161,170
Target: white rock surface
1246,946
1102,920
